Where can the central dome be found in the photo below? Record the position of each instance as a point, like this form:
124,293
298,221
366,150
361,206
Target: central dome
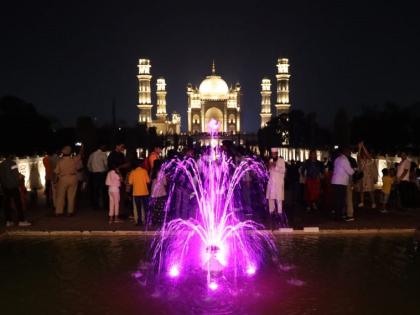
214,87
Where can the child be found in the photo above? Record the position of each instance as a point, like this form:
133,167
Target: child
113,181
139,179
387,182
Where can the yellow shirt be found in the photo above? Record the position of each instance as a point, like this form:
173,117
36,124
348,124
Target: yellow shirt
387,182
139,180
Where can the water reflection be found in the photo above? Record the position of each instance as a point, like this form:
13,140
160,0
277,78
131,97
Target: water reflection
314,275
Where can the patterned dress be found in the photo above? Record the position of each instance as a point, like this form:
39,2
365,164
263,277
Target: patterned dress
370,175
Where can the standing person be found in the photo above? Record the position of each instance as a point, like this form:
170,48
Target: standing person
293,177
34,182
275,185
350,188
183,191
370,176
118,161
312,170
340,180
153,156
301,187
139,180
1,198
50,162
9,181
113,181
403,180
66,171
23,192
413,191
246,184
387,182
326,186
98,166
128,192
158,193
81,175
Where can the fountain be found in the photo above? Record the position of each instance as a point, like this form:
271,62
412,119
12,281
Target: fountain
213,241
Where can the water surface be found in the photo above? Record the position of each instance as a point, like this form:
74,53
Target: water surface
315,275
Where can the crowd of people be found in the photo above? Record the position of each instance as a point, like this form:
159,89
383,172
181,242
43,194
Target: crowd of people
335,183
131,188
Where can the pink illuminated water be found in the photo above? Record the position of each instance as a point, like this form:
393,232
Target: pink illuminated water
213,239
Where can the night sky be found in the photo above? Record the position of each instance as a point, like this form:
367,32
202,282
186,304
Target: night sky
71,58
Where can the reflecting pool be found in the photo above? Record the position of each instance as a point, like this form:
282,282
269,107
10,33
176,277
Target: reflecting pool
314,275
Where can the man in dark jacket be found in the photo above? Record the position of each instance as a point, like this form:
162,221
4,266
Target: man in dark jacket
9,181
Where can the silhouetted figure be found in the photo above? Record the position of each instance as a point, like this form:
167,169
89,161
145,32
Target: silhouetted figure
403,180
10,181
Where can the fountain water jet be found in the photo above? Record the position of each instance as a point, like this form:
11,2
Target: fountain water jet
213,239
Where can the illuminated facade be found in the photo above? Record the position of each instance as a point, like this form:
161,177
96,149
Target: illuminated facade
214,100
282,76
282,101
265,101
162,124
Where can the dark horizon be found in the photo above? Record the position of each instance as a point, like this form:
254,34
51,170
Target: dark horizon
72,60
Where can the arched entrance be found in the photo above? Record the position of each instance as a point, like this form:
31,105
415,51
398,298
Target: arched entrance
216,114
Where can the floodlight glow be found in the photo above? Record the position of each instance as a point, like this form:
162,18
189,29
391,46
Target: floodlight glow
213,286
251,270
174,271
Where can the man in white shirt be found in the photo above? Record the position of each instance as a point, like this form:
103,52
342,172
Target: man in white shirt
275,186
340,179
403,180
98,166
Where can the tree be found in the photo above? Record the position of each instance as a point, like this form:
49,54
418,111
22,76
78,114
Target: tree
302,131
86,132
388,128
23,129
341,133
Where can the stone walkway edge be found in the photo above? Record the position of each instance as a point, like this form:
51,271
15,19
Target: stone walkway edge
282,232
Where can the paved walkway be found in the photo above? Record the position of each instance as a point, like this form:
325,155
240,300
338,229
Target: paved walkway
93,220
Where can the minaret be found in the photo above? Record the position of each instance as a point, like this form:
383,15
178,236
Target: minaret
265,101
145,100
161,99
282,104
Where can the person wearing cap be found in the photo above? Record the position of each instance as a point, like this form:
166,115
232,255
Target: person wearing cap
66,171
275,186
